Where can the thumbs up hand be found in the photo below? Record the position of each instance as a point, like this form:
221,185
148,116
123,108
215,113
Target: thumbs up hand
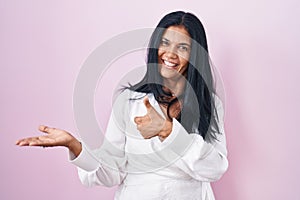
153,124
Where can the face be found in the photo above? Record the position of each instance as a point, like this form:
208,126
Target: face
174,53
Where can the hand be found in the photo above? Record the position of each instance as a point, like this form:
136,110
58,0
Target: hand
55,137
153,124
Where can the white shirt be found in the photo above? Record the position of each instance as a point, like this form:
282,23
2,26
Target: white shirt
180,167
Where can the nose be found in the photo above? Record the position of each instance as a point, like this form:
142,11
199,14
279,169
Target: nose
171,53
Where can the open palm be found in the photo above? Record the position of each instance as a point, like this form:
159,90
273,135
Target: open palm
54,137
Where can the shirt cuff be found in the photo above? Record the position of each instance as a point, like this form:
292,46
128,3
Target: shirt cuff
86,160
179,140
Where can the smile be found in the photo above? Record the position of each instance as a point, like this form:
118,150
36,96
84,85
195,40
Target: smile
169,64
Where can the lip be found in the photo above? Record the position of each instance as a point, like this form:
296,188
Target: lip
169,64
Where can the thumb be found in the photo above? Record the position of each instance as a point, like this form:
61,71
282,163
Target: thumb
46,129
147,103
138,120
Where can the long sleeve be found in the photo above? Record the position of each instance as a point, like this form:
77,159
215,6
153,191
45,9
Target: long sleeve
200,160
106,165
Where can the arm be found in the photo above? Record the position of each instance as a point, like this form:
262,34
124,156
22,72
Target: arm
201,160
106,165
103,166
91,164
204,161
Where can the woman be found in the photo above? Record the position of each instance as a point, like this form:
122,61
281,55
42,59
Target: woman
165,137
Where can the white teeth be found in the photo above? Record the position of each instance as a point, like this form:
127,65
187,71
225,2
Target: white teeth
169,64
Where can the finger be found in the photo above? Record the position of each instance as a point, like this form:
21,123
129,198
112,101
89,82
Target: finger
46,129
138,120
22,143
142,120
38,142
25,141
147,103
139,127
34,142
17,142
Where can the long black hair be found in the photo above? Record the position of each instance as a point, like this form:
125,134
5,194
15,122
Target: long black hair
198,105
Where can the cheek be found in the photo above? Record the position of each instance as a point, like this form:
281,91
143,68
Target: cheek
184,61
184,57
160,53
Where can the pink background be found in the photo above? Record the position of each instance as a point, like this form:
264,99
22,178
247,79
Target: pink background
254,44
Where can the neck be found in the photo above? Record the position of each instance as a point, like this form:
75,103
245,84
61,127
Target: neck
176,87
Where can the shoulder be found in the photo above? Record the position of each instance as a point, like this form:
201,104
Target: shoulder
217,99
127,97
219,106
130,94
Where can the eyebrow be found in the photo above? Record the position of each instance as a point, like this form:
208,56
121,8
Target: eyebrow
182,43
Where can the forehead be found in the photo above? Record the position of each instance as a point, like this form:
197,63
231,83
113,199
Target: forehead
177,34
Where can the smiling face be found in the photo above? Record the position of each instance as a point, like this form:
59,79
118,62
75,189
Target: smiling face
174,53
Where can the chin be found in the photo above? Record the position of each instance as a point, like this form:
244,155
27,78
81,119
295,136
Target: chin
168,74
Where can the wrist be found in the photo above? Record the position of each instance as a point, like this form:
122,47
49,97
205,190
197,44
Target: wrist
166,130
74,146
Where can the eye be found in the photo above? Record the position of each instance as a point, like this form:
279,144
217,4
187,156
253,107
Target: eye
164,43
183,48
